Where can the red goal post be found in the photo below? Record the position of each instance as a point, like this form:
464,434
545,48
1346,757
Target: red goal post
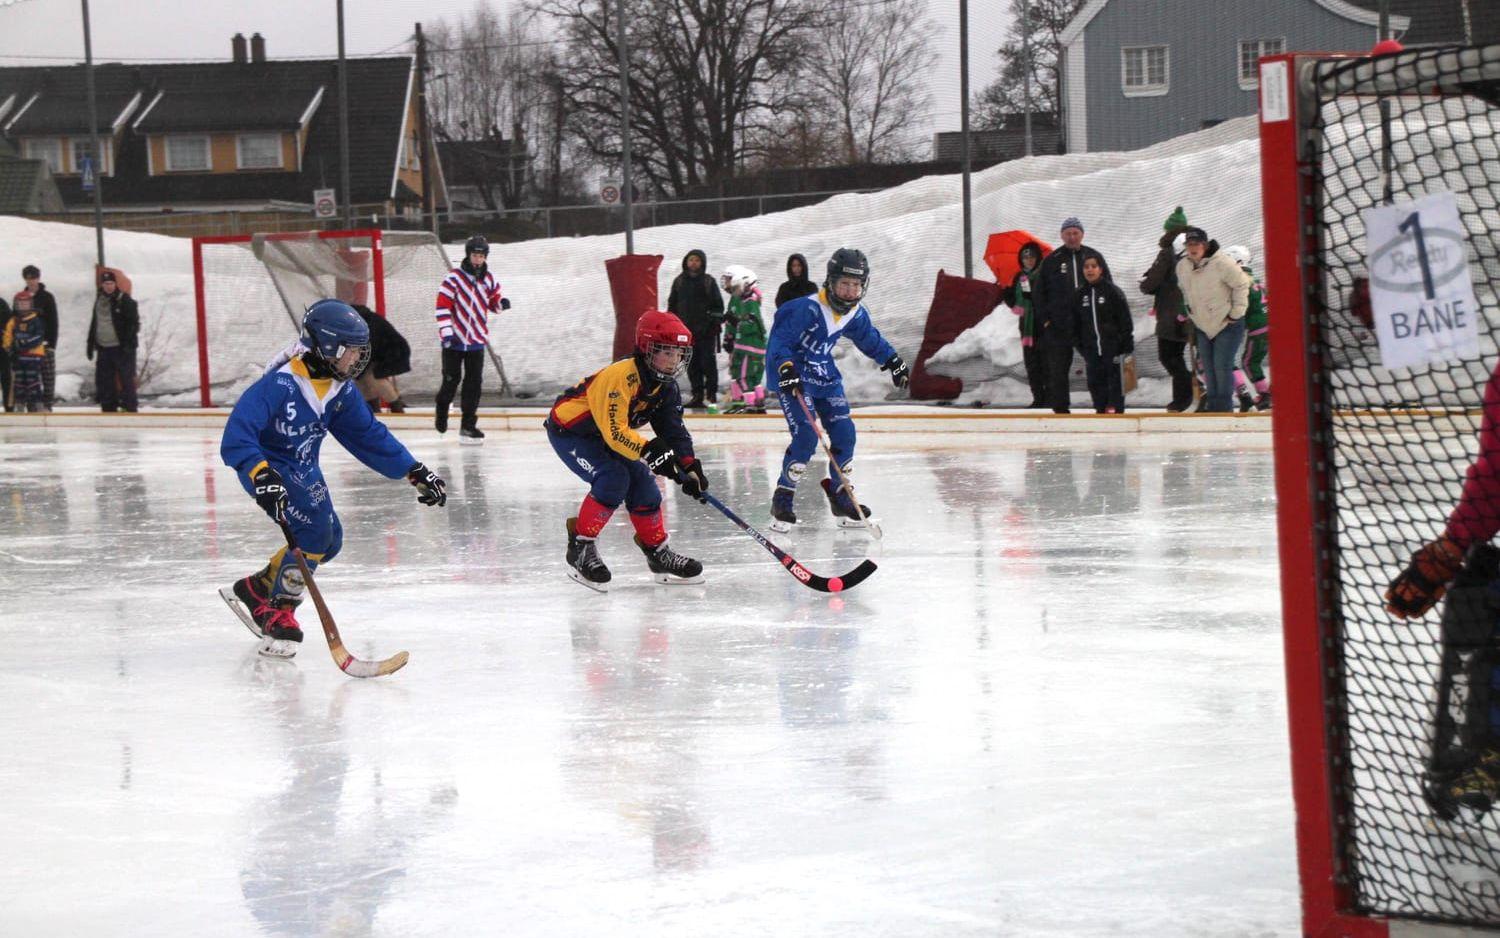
250,290
1369,461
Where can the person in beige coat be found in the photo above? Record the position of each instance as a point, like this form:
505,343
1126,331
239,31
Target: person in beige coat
1217,293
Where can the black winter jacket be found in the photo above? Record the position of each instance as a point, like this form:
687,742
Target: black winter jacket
390,353
1160,281
1053,289
1103,320
795,287
126,318
696,299
45,305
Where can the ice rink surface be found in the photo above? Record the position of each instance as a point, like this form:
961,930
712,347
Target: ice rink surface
1057,709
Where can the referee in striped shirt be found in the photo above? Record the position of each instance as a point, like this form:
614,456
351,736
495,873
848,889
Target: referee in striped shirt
467,297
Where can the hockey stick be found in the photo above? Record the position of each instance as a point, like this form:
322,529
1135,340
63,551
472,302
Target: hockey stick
350,665
844,483
822,584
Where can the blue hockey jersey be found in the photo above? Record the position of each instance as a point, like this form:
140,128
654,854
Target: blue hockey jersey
283,417
804,333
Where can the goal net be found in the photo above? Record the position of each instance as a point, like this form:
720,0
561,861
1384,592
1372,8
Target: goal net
1374,435
252,290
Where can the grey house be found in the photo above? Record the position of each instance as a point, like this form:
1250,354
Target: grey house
1136,72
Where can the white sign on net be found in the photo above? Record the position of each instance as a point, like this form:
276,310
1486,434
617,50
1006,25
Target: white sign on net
324,203
1421,294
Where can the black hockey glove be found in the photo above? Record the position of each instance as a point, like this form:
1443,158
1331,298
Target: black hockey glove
662,459
270,492
694,483
431,489
900,374
504,303
788,381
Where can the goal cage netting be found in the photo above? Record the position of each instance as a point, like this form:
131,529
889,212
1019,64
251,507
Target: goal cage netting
1371,459
251,291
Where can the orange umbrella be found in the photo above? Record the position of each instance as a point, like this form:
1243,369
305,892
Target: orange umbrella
1000,253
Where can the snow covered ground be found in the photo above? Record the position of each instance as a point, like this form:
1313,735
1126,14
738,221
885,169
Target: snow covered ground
562,324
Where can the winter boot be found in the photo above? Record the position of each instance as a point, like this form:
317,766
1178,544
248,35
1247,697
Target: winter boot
271,620
843,508
1264,401
440,419
668,566
398,406
1476,787
1247,403
471,435
695,402
583,560
782,515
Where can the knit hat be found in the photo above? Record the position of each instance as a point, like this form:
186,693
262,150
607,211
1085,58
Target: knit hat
1178,219
1071,222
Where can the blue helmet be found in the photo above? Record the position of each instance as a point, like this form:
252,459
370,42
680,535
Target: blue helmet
330,329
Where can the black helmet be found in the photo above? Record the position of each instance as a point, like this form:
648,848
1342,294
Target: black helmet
477,243
846,262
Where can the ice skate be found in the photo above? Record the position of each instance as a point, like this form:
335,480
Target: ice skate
782,515
440,419
273,622
1247,403
843,508
471,436
584,565
668,566
1263,402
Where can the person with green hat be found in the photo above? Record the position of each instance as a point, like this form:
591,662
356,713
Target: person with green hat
1174,330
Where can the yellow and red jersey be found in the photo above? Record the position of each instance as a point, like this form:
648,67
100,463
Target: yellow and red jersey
616,400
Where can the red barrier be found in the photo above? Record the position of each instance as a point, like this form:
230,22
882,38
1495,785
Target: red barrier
632,288
958,303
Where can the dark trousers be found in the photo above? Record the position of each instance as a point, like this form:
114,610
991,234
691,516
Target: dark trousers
49,377
1106,384
1172,358
703,370
1036,374
5,396
471,366
114,379
1059,364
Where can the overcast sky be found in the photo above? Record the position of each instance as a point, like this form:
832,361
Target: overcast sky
39,32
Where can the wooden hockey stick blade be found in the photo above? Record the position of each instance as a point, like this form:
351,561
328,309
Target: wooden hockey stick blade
350,665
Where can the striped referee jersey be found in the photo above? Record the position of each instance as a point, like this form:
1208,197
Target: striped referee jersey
464,304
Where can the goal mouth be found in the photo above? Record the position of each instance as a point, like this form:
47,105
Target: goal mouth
1376,433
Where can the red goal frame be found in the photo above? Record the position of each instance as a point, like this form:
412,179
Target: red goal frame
377,273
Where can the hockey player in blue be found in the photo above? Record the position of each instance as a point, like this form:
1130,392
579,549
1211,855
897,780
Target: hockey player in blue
799,352
272,441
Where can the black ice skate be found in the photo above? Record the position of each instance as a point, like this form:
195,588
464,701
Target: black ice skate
1476,787
583,560
1264,401
843,508
440,419
273,622
1247,403
782,515
668,566
471,436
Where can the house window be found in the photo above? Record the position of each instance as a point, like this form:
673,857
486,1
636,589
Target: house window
258,151
83,148
188,154
48,150
1144,70
1251,51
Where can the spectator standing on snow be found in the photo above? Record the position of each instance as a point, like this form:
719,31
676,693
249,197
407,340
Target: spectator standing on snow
45,305
1020,297
797,284
1058,280
1217,294
1173,328
1106,335
113,333
5,375
695,299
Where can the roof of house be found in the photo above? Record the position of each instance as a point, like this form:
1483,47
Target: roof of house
26,186
208,97
69,113
1347,10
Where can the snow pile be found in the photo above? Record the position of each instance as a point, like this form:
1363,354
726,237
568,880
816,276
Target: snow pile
561,326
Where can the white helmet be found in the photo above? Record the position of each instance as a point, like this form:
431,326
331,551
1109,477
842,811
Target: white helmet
1239,254
737,279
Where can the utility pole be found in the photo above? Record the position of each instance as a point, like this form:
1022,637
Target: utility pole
98,157
1026,76
963,90
627,193
424,136
345,195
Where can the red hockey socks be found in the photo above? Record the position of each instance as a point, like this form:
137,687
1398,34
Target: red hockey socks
592,517
648,527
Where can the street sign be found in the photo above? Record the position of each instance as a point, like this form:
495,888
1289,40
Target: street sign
1421,289
324,204
88,174
610,192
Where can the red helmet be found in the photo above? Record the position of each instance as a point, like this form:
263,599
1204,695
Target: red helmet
659,328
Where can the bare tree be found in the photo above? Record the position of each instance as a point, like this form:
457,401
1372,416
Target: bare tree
1006,95
700,77
869,75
